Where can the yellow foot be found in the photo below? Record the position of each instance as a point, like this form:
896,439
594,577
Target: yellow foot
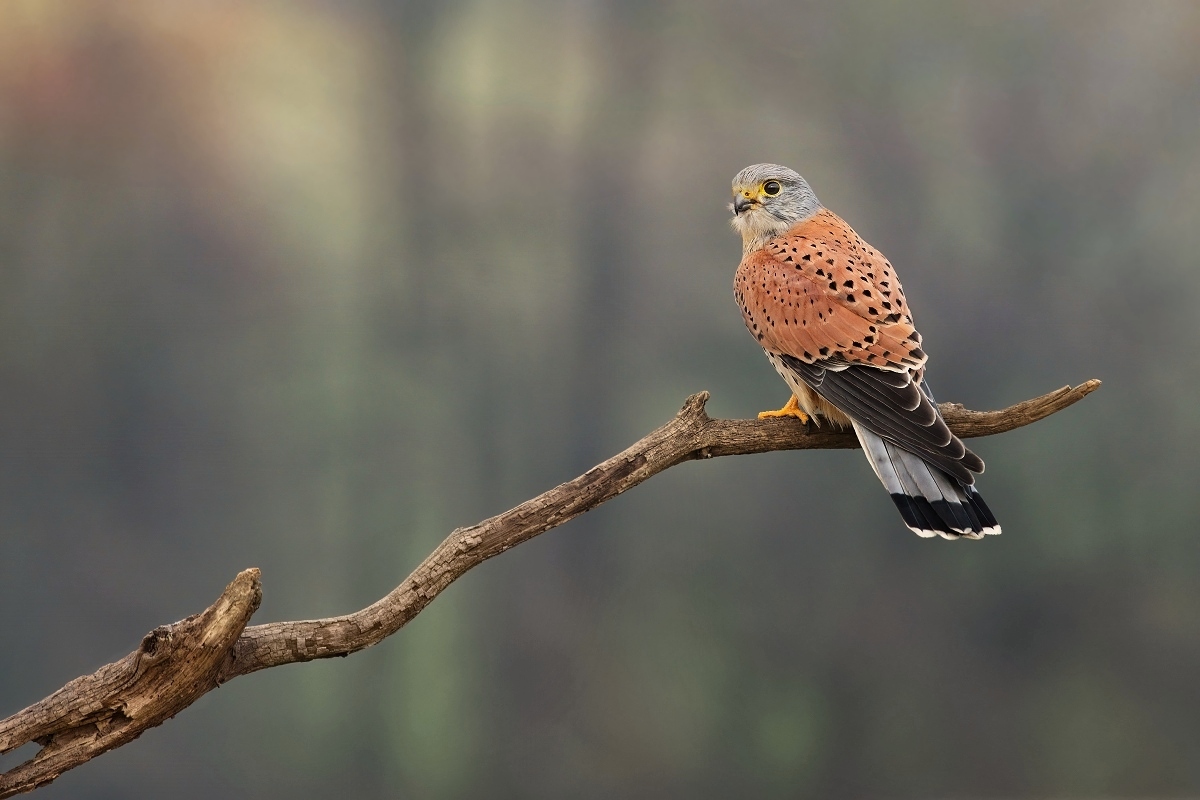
792,409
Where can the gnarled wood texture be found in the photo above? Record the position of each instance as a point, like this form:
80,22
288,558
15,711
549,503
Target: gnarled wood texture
176,664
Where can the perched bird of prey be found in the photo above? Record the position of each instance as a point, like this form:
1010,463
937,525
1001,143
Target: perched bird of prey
830,314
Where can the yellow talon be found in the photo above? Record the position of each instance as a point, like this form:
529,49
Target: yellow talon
792,409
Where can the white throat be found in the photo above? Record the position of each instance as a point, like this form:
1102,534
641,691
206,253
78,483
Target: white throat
758,226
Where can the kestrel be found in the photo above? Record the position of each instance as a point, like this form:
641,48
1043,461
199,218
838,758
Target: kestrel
830,314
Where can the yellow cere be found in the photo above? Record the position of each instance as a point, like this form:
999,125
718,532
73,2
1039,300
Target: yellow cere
757,193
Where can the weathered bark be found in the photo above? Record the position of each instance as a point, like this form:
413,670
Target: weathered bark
178,663
174,665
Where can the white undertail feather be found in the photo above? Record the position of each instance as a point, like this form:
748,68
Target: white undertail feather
906,475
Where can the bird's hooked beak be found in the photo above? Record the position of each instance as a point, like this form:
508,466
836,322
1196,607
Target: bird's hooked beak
742,203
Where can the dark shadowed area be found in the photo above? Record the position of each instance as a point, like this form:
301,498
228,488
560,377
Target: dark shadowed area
306,285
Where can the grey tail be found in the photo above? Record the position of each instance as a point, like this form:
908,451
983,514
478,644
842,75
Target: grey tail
930,501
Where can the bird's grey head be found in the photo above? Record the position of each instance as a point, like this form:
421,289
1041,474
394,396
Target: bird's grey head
767,200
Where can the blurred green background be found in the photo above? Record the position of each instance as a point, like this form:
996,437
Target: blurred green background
305,285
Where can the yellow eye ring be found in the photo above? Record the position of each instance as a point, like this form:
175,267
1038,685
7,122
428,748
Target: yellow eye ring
771,188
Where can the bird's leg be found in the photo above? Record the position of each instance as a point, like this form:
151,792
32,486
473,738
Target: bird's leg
792,409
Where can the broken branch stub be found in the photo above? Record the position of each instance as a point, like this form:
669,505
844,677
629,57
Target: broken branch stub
174,666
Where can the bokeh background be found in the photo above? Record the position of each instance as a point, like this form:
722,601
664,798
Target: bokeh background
305,285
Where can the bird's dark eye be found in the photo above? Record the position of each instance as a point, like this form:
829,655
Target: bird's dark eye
771,188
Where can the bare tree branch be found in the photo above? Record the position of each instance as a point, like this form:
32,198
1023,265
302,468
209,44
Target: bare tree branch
176,664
